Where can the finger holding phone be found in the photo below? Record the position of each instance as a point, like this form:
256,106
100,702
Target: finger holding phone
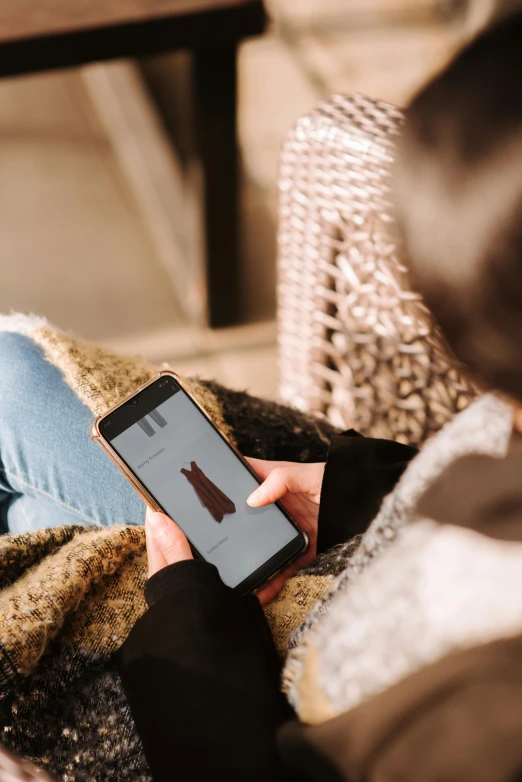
166,542
185,468
297,485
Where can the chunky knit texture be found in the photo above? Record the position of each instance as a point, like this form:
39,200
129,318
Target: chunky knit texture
69,596
374,624
361,617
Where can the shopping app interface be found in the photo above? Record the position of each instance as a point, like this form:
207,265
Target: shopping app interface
198,480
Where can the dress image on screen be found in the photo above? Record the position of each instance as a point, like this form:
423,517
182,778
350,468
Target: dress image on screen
198,480
212,498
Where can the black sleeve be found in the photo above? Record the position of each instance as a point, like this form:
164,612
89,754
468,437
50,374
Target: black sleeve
200,669
360,472
201,675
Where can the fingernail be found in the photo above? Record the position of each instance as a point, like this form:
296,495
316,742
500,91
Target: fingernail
254,498
155,521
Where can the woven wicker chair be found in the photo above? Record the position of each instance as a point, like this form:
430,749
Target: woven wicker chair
356,344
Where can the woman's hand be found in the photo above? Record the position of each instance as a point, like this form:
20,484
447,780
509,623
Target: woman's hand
298,486
166,543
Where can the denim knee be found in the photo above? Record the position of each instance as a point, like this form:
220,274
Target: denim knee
24,372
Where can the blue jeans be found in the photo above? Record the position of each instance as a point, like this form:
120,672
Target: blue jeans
51,473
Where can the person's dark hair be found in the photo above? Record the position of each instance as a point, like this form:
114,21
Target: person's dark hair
458,190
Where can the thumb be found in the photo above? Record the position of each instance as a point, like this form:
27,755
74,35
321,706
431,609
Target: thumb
168,537
283,479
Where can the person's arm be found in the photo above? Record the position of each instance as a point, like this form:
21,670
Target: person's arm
360,472
201,675
202,662
336,501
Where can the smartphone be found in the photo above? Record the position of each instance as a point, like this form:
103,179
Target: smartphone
180,463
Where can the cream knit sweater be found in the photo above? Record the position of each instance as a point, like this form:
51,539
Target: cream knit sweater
413,590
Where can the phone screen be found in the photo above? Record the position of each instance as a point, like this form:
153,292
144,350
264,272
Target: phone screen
194,475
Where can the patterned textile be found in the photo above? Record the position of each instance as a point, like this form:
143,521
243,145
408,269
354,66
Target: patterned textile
409,590
362,616
69,596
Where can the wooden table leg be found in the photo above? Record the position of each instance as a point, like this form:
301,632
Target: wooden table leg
215,99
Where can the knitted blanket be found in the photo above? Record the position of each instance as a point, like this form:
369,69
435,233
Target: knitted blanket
360,618
410,590
69,596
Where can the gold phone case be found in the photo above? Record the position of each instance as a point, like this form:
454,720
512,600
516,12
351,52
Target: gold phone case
149,500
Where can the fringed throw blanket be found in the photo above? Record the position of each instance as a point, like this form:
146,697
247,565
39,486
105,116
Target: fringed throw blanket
363,616
69,596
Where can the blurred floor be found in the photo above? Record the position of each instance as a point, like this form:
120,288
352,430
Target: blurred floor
74,245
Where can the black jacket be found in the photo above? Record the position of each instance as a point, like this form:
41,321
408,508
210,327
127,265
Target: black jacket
200,669
202,676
